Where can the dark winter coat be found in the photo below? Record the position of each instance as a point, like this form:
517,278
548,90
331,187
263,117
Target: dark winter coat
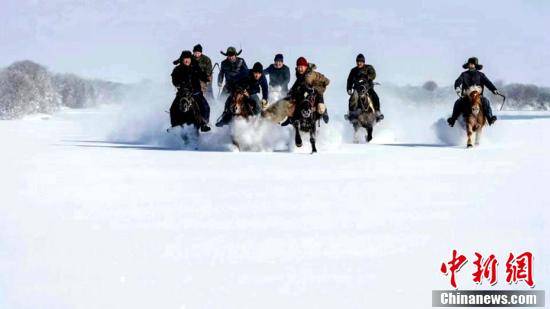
205,64
356,74
232,71
189,77
252,85
278,77
474,78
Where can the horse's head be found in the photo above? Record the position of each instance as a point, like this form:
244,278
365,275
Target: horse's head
237,103
475,100
362,88
186,100
307,105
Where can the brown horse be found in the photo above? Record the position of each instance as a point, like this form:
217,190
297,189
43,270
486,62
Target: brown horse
241,106
475,121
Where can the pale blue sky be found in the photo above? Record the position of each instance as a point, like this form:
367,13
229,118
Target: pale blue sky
407,41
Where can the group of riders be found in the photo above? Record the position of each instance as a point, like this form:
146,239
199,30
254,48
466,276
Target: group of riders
193,77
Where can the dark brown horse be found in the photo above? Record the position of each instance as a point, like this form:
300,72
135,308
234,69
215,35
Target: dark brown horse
366,115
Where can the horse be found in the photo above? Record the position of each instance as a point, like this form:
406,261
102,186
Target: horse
185,110
279,110
306,115
475,120
365,113
241,106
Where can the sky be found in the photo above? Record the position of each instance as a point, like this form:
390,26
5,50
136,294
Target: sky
408,42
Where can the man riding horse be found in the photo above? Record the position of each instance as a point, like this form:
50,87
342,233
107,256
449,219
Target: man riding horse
308,80
358,76
187,76
251,84
468,80
231,69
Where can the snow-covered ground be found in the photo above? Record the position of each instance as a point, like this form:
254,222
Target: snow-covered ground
99,211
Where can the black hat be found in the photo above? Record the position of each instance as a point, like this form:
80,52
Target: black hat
197,48
278,57
184,54
257,68
360,58
231,51
473,60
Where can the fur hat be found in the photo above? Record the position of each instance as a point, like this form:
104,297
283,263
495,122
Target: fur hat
360,58
184,54
278,57
301,62
257,68
197,48
231,51
473,60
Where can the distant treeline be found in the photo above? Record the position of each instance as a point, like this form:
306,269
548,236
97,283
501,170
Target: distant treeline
518,96
27,87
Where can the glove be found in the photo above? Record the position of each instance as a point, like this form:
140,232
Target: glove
264,103
220,85
458,91
497,92
350,92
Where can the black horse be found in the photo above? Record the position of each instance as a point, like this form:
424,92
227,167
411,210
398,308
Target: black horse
306,118
185,110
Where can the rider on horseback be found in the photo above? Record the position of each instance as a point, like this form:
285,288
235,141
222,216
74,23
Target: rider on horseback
362,73
308,81
251,84
187,75
232,69
468,79
206,65
279,75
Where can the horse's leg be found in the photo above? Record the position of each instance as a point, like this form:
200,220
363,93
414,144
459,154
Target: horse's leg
297,137
369,132
355,133
312,134
469,132
478,134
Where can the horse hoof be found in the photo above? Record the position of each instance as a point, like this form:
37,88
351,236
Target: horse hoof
369,138
469,146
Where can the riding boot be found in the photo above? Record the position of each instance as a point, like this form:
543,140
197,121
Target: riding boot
376,104
379,115
287,121
204,109
325,116
175,114
226,115
488,111
457,110
224,119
